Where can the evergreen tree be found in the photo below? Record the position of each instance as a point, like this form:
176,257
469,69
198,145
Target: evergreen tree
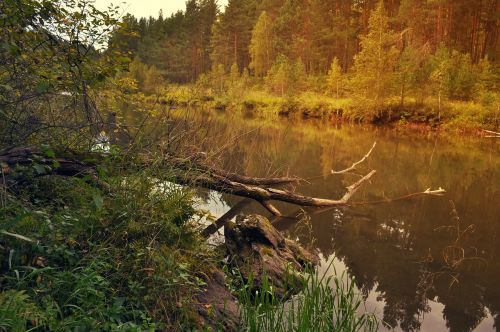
234,75
285,76
374,64
261,45
218,77
277,78
406,74
335,78
232,33
439,78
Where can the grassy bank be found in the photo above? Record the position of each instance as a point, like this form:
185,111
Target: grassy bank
449,115
78,257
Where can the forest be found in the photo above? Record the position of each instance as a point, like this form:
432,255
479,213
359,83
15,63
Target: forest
267,165
423,61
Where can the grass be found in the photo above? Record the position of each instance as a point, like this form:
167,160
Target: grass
76,257
326,303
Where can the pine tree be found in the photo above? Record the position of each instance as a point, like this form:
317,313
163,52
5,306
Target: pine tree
374,64
335,78
286,77
261,45
218,77
440,76
278,77
232,33
406,74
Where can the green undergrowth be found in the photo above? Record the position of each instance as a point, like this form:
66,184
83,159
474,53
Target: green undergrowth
76,257
327,302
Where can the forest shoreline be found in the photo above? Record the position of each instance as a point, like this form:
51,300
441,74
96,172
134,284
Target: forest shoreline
417,117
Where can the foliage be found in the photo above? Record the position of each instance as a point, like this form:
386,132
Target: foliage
335,79
50,56
148,78
408,72
387,58
261,46
74,257
285,76
231,34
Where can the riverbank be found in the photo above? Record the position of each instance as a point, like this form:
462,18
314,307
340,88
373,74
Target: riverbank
465,117
106,244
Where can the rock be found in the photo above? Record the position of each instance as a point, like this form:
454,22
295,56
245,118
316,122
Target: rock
216,306
257,249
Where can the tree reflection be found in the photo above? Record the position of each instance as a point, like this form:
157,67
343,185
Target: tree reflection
392,249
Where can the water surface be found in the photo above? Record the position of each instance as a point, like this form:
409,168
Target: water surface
430,263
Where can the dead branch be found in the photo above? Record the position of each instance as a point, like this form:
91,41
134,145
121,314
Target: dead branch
26,156
354,165
191,173
225,218
493,134
428,192
271,208
189,164
265,194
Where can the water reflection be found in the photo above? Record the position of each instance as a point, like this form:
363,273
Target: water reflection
420,266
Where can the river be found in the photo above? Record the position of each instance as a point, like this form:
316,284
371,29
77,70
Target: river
430,263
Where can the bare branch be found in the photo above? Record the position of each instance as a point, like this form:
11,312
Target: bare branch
225,218
354,165
189,164
271,208
427,192
494,134
263,194
351,190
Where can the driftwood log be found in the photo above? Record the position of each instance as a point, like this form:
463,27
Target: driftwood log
190,171
266,194
193,171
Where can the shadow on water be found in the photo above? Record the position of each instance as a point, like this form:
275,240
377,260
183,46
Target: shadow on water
430,263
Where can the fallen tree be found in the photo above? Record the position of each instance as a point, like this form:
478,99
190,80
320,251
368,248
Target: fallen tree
264,194
192,171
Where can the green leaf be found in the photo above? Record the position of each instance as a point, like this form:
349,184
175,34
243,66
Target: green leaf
39,168
49,153
6,87
98,201
42,87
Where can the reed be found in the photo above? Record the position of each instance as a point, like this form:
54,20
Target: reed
327,302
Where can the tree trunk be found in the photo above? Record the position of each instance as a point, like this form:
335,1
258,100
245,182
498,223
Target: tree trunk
188,172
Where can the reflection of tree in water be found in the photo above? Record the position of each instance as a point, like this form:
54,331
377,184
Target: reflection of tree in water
464,308
391,248
405,265
383,258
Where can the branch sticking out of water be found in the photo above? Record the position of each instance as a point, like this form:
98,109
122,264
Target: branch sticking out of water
492,134
354,165
437,192
428,191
